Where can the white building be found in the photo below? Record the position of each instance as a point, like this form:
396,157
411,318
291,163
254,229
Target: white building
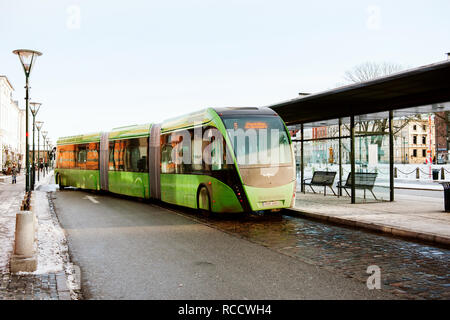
12,127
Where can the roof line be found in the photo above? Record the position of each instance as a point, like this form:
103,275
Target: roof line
7,80
397,75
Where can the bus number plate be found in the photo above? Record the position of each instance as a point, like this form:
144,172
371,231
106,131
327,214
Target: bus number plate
269,203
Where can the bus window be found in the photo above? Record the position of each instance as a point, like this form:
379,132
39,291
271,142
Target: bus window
167,166
259,140
92,156
136,155
81,156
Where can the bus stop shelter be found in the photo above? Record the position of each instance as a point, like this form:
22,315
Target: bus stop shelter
421,90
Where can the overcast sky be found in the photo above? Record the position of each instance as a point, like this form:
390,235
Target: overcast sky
113,63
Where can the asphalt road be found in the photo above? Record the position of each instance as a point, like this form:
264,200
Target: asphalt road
128,249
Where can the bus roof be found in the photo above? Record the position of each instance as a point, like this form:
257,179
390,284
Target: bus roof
244,111
134,131
82,138
188,120
206,115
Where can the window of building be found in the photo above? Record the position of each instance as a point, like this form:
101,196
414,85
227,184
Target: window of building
424,127
424,153
414,127
414,139
414,153
424,139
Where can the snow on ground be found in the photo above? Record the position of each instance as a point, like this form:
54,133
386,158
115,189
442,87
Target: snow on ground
51,239
7,228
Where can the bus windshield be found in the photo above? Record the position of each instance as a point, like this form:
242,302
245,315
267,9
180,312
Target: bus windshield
258,140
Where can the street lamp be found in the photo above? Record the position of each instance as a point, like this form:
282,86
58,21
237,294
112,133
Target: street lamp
27,59
39,126
34,107
44,135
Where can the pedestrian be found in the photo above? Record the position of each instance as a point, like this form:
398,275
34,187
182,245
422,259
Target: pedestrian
14,174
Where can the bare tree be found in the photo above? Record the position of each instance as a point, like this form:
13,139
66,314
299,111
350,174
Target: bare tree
371,70
376,129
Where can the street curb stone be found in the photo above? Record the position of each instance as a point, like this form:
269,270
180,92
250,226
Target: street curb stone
404,233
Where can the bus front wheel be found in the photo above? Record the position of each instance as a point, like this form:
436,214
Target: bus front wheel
204,201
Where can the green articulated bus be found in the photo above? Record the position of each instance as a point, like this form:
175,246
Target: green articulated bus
214,160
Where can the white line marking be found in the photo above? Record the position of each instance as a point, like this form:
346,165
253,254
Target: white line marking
91,199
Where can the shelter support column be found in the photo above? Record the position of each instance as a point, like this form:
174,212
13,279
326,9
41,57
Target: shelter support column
391,155
352,157
302,163
340,156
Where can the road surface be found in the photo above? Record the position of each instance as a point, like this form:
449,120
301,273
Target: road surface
128,249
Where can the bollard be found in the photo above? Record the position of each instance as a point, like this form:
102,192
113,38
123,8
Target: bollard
442,173
24,258
417,173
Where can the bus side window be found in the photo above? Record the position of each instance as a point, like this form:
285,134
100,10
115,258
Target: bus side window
111,156
167,165
81,156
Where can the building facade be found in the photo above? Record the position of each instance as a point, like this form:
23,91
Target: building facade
416,142
12,127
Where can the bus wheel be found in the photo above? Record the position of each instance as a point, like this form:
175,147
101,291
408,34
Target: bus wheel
203,201
61,187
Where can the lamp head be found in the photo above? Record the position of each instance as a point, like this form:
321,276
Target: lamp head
34,107
39,125
27,59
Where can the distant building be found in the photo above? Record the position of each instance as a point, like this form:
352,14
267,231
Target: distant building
415,143
12,127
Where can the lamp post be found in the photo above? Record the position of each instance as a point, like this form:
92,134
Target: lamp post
27,59
34,107
44,135
38,127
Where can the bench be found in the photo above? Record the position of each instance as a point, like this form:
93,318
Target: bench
364,181
322,179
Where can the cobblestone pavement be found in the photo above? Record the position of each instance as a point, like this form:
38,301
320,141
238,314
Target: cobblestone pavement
408,269
25,286
28,287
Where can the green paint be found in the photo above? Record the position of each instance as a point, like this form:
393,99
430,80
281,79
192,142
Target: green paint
85,179
181,189
282,196
133,184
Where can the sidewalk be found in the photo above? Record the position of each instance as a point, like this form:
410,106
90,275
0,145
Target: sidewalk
421,218
49,281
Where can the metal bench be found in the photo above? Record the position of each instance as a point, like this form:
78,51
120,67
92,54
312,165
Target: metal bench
322,179
364,181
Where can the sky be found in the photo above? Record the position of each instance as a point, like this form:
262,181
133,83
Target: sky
107,64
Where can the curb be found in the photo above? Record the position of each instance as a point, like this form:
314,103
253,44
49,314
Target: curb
395,231
61,286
